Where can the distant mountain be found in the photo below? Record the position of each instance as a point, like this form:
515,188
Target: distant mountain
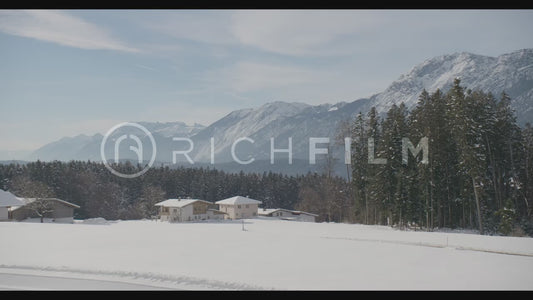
278,120
241,123
69,148
512,73
83,147
170,129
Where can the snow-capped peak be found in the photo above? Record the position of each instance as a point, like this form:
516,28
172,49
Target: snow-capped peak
490,74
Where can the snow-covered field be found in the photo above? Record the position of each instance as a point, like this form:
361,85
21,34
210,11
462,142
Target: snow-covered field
268,254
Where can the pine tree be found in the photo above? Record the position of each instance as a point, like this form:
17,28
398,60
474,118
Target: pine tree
472,119
374,187
393,175
359,162
423,123
525,186
506,149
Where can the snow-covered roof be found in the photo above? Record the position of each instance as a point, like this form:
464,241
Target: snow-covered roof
269,211
298,212
179,202
8,199
26,201
238,200
266,211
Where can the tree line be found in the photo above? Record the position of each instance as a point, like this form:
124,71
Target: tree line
102,194
479,172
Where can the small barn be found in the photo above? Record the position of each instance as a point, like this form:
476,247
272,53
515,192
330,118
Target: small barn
45,209
286,214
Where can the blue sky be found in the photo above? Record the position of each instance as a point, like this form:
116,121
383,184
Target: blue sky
67,72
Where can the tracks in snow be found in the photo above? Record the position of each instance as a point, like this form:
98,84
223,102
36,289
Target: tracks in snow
433,245
148,279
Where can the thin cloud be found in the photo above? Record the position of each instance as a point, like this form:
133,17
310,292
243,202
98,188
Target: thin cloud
293,32
300,32
60,28
281,32
145,67
254,81
248,76
203,27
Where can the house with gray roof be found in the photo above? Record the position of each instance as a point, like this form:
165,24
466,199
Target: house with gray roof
239,207
184,210
7,202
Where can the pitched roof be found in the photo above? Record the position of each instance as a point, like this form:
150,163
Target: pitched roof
298,212
269,211
8,199
238,200
179,202
266,211
26,201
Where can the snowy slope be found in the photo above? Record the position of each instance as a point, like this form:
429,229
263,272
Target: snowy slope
278,120
269,254
512,73
241,123
171,129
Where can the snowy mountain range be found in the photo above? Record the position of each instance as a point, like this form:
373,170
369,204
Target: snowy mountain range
512,73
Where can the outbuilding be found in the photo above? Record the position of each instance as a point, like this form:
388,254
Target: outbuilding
286,214
49,209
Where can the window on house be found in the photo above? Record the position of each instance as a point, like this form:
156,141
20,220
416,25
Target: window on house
175,210
247,205
238,206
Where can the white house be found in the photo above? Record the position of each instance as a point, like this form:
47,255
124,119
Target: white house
7,201
183,210
286,214
239,207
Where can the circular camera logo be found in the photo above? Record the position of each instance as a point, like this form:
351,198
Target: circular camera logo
120,135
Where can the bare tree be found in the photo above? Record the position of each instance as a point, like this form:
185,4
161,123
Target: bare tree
150,196
309,199
25,187
41,207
